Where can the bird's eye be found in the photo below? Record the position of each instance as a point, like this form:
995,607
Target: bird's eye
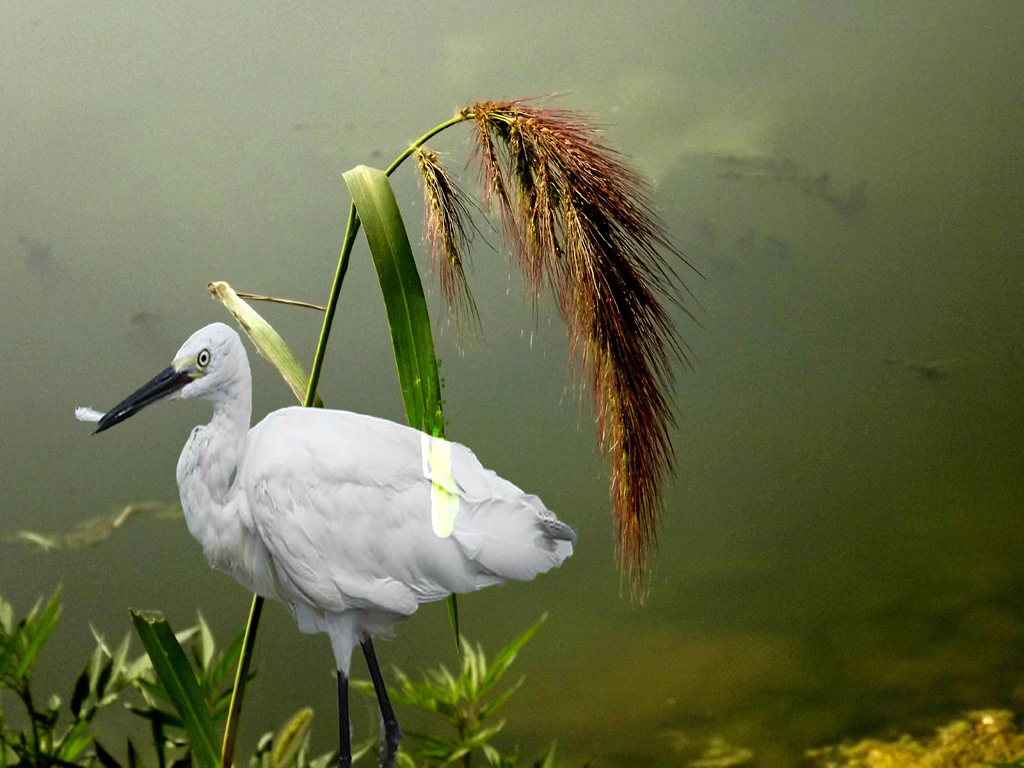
203,358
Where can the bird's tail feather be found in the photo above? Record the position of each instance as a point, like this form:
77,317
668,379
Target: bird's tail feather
514,540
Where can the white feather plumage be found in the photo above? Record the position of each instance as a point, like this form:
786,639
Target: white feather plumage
330,511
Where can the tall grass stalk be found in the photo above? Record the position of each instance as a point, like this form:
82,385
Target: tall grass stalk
582,225
249,643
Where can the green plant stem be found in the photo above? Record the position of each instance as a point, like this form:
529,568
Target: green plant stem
423,140
26,697
249,642
467,759
351,230
238,692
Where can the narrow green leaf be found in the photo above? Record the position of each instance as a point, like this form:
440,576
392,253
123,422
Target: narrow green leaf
34,612
290,738
226,662
408,318
75,740
96,661
453,619
500,699
120,658
484,735
42,629
547,760
137,668
265,744
438,745
206,645
186,634
219,709
507,655
178,679
155,690
104,679
156,725
80,693
157,715
105,758
267,341
324,761
10,651
400,284
6,616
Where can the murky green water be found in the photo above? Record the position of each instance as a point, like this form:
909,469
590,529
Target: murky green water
840,553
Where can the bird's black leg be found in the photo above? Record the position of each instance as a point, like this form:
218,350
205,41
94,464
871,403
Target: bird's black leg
344,733
390,734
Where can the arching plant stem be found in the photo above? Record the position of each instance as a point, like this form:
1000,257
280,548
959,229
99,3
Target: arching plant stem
249,642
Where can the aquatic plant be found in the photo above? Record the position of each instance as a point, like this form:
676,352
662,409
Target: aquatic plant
198,687
93,531
109,673
580,221
982,738
289,746
465,703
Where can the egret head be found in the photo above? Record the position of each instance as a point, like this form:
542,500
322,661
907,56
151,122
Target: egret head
210,366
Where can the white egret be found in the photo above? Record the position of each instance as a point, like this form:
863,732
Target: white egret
335,514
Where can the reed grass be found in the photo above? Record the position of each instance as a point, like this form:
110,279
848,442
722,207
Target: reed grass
581,224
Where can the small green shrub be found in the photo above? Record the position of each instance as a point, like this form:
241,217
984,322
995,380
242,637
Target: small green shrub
66,737
466,703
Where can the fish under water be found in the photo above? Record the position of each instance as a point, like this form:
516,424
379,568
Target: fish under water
927,369
37,253
771,170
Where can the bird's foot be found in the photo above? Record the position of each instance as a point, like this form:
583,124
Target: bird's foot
390,738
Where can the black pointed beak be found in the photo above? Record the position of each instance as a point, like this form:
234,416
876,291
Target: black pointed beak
164,384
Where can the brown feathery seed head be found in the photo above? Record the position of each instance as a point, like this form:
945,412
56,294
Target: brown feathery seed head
446,213
581,222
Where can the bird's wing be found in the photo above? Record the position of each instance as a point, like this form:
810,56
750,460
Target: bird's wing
504,530
341,503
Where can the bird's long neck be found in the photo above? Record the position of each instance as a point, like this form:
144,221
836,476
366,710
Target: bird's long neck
207,469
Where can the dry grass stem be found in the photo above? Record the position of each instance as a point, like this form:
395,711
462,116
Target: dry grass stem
276,300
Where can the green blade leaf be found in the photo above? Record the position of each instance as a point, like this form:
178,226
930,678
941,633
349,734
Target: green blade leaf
400,284
42,628
290,738
172,667
507,655
267,341
504,696
80,693
104,679
157,717
406,306
75,740
547,760
10,652
226,661
6,617
105,758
